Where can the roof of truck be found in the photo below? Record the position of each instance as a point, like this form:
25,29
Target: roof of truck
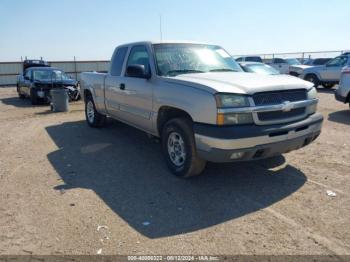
167,42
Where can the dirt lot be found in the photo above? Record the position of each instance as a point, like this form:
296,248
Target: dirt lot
61,181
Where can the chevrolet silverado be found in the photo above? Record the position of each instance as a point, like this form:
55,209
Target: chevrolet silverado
201,104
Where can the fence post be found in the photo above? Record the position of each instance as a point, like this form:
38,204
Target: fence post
75,69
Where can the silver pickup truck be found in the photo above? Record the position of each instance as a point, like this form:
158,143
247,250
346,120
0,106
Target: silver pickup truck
197,99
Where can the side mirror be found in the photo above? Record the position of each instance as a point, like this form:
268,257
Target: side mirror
26,78
138,71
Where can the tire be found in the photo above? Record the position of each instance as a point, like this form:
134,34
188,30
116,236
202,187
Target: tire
93,118
33,97
179,149
313,79
328,85
21,96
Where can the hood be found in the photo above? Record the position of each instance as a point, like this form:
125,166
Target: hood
240,83
314,68
299,66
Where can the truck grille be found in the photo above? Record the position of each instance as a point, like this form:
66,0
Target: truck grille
276,98
48,86
280,115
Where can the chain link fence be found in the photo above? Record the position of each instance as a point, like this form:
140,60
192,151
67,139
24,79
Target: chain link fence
302,56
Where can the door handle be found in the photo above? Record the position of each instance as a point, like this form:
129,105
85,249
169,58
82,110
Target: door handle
122,86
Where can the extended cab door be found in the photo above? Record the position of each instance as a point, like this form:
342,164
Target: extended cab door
136,106
332,70
113,89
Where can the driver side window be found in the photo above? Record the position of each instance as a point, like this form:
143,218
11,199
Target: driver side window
139,56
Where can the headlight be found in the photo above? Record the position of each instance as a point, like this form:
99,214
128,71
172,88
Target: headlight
232,101
312,93
298,70
229,100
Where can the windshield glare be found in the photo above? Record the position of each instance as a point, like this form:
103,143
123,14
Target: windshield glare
175,59
261,69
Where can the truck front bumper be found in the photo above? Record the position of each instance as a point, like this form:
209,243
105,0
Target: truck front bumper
250,142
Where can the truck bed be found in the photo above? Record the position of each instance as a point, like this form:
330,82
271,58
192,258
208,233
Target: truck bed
94,81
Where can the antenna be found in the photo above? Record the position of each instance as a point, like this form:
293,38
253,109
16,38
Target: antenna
160,27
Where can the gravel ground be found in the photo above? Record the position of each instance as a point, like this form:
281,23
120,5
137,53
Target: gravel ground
70,189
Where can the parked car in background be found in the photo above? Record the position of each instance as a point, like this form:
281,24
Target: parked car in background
280,64
297,69
197,99
259,68
326,75
317,61
37,81
342,94
249,59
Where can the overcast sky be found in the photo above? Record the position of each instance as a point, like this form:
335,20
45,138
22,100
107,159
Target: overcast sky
90,29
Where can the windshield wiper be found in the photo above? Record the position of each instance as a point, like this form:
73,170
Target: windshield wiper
223,70
183,71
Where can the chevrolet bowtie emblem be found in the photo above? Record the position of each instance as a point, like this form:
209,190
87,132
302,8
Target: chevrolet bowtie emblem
287,106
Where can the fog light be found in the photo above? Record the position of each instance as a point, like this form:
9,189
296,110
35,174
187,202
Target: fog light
237,155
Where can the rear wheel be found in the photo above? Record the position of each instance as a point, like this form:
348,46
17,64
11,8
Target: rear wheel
93,118
327,85
313,79
179,149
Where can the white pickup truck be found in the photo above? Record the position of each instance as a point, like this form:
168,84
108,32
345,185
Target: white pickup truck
197,99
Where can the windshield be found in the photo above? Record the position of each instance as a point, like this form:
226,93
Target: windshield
260,69
175,59
49,75
293,61
42,75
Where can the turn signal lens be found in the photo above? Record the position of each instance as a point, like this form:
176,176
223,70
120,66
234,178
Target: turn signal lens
234,118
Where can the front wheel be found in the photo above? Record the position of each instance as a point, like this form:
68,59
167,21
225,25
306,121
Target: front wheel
20,95
93,118
313,79
179,149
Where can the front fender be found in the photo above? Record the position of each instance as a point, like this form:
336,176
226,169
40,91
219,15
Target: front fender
199,104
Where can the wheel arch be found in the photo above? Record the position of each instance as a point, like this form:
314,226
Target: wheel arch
165,113
312,73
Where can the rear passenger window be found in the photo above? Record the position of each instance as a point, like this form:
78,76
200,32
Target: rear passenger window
118,60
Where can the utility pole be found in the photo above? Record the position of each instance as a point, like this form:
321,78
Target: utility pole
160,28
